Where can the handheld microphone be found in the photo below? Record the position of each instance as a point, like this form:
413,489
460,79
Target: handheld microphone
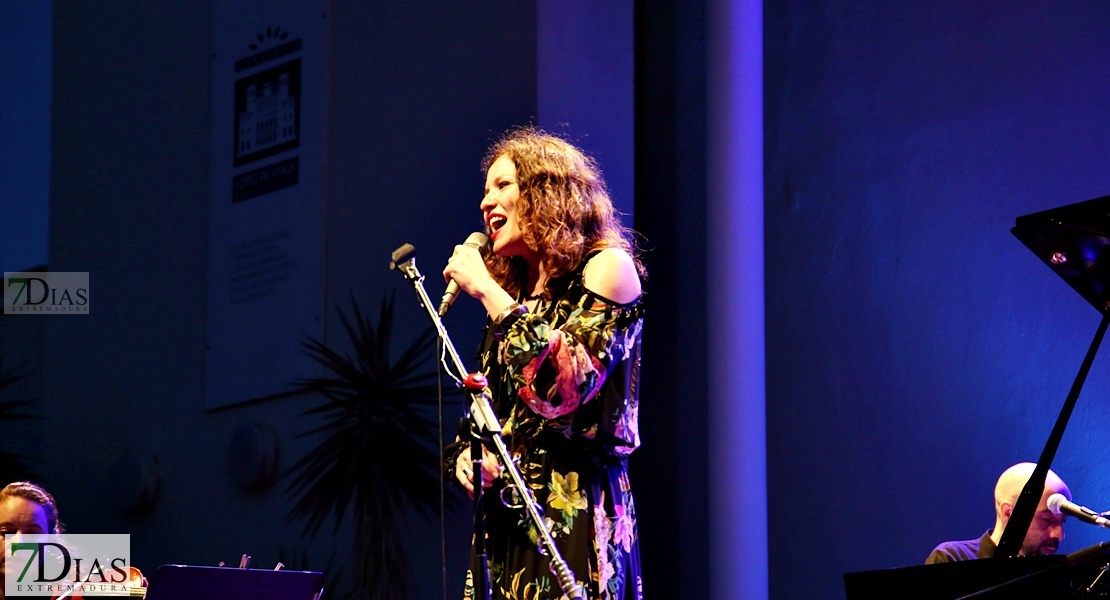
1060,505
477,240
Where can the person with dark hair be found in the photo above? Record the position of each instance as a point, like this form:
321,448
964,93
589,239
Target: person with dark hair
562,287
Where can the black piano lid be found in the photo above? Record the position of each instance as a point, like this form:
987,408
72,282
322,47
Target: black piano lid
1073,240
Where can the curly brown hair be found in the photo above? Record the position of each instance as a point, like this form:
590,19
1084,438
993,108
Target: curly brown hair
34,493
564,208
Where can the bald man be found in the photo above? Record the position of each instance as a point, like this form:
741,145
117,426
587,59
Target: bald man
1045,532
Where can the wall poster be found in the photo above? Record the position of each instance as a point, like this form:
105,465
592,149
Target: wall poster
266,238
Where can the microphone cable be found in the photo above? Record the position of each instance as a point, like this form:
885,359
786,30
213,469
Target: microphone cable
442,482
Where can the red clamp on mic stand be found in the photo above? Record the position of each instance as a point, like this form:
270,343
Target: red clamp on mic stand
475,381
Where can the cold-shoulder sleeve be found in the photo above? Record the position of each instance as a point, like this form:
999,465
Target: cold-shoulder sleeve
556,369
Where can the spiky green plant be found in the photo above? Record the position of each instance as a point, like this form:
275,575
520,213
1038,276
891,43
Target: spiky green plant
14,466
377,454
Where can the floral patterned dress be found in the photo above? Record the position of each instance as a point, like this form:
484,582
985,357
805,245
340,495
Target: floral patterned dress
565,385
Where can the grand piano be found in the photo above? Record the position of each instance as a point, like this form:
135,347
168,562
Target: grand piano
1073,241
1076,575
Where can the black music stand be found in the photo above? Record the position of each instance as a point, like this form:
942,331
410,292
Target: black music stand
1074,241
186,582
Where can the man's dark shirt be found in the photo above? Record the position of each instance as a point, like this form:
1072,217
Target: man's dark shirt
963,550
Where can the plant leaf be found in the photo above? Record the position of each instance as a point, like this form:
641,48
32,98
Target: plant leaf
377,454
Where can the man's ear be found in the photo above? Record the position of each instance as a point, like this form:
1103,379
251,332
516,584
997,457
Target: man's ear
1007,508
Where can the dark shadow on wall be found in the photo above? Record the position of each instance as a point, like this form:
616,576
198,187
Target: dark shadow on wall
669,471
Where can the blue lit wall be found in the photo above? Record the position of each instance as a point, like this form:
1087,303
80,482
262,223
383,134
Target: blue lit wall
585,75
915,347
25,52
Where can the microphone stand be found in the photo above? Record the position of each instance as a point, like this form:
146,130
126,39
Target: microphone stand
485,427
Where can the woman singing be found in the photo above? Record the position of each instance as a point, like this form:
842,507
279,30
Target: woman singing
562,288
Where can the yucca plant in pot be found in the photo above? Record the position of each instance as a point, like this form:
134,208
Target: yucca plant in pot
377,454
